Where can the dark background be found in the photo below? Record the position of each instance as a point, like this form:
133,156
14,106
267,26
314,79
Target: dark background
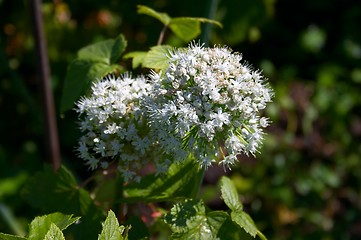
306,181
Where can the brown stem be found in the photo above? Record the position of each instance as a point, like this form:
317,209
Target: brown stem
161,35
53,152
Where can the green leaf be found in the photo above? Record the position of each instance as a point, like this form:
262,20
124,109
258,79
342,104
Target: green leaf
117,49
185,28
230,195
111,229
189,220
107,51
188,28
138,58
54,233
92,63
157,57
206,20
163,17
231,230
181,180
4,236
60,193
244,221
241,218
40,226
79,76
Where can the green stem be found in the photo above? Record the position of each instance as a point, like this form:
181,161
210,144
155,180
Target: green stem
9,218
211,12
200,177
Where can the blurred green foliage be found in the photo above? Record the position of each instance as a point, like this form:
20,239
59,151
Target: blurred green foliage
305,183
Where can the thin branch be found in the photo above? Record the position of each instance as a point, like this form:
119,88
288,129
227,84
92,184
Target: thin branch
161,35
53,152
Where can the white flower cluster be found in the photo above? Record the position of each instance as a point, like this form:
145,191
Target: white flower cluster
113,124
208,103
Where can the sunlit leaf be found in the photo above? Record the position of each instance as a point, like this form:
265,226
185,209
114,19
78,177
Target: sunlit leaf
181,180
188,28
163,17
245,222
230,195
157,57
185,28
137,58
189,220
54,233
40,226
111,229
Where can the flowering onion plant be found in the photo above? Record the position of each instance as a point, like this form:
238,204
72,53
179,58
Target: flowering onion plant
149,139
206,104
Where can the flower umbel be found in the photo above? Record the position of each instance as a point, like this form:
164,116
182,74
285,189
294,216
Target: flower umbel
208,103
113,124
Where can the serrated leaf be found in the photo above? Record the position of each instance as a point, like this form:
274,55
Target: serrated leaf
181,180
111,229
4,236
40,225
97,52
163,17
216,219
118,48
157,57
231,230
60,193
54,233
188,28
182,212
79,76
189,220
92,63
230,195
137,58
107,51
244,221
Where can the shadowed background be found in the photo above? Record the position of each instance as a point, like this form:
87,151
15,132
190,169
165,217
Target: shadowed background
306,181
